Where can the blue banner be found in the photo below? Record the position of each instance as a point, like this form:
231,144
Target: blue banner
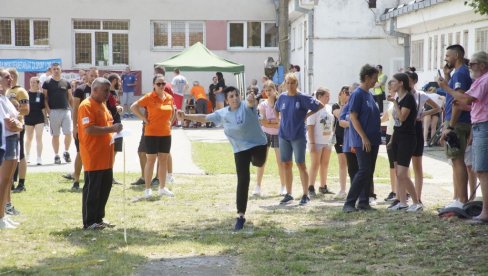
29,65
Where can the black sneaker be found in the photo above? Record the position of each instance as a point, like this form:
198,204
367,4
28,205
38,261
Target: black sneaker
57,160
139,181
365,207
324,190
311,191
390,197
239,223
155,181
66,157
20,188
76,186
349,209
107,224
68,176
394,202
286,200
305,200
95,226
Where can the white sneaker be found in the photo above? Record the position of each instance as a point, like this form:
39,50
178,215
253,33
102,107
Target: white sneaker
39,161
166,192
398,207
147,193
455,204
257,191
372,201
283,191
340,195
170,179
4,224
415,208
9,220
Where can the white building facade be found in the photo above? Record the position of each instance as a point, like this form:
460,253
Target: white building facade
112,34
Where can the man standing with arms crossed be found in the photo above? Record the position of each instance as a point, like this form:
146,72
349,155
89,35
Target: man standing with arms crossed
59,99
95,133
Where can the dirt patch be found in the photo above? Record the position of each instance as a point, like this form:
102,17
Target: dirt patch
193,265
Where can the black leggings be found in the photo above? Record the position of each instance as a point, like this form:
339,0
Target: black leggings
256,156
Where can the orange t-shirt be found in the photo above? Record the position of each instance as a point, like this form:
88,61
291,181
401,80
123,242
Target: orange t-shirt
96,151
198,92
158,114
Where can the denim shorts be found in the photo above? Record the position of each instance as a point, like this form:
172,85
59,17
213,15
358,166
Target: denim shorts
295,147
480,147
11,147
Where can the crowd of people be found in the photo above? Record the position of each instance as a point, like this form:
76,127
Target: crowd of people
290,122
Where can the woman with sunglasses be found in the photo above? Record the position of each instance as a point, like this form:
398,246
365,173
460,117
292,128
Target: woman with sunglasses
34,121
160,112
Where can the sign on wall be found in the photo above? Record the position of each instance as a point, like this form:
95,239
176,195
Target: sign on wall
29,65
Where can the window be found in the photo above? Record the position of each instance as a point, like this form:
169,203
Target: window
429,55
465,39
293,38
481,40
417,59
253,34
21,32
300,36
436,51
443,51
176,34
458,37
101,43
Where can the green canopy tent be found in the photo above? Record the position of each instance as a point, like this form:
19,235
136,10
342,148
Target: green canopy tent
199,58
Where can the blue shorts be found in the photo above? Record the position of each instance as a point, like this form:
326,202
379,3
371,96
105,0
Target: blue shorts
480,147
295,147
220,97
11,147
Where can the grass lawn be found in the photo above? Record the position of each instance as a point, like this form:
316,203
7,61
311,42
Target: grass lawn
316,239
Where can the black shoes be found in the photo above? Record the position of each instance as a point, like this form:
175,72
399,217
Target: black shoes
325,190
76,186
66,157
311,191
20,188
349,209
239,223
390,197
57,160
139,181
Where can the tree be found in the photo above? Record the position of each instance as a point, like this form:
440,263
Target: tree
479,6
283,34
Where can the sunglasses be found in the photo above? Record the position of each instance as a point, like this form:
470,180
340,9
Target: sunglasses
160,84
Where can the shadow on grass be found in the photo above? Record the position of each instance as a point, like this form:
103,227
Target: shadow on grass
69,190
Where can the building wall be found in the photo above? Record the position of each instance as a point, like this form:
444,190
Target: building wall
215,13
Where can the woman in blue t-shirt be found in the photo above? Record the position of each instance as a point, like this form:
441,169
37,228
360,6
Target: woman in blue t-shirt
242,128
294,108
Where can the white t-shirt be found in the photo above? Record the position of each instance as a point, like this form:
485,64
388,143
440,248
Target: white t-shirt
391,121
7,110
323,122
179,83
420,98
438,99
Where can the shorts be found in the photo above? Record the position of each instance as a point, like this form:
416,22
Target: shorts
77,143
319,147
127,98
338,144
462,131
21,144
201,106
142,142
60,119
480,147
389,152
178,100
295,147
118,144
273,140
11,147
402,148
157,144
220,97
33,121
419,135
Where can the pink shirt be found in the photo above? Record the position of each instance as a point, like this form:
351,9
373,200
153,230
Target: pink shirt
479,90
265,108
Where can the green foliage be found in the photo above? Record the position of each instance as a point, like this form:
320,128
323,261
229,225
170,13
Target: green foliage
479,6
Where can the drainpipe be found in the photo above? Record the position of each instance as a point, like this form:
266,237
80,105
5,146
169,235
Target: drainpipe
311,24
406,40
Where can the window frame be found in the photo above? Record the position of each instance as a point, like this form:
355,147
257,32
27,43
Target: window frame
169,46
245,35
417,54
31,34
93,49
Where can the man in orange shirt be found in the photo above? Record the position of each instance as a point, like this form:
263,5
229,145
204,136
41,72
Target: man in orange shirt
95,128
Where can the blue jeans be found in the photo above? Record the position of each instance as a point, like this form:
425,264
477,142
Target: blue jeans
363,180
480,147
295,147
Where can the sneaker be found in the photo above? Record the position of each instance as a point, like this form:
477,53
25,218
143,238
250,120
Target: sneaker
114,181
340,195
170,179
57,160
76,186
4,224
20,188
239,223
349,209
455,204
365,207
139,181
68,176
325,190
165,192
398,207
95,226
10,210
107,224
286,200
305,200
311,191
394,202
415,208
257,191
283,191
39,161
147,193
391,196
9,220
155,181
66,157
372,201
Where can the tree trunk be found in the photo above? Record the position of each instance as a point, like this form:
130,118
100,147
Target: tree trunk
283,35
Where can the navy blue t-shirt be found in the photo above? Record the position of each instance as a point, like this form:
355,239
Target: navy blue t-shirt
362,103
460,80
293,110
